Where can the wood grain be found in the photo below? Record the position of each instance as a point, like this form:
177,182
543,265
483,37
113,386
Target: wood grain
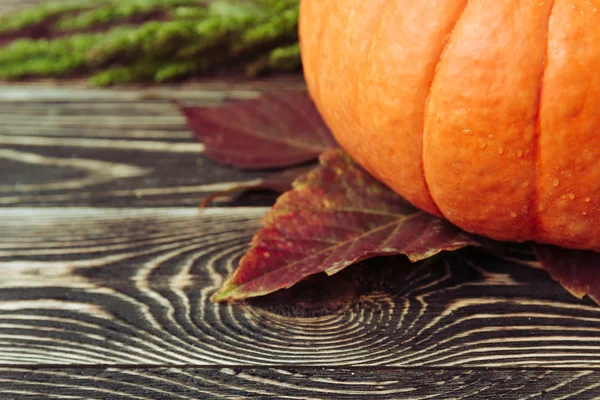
131,286
72,145
295,383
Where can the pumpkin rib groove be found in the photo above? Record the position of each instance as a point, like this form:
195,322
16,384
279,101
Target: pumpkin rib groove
569,185
480,127
428,100
359,95
317,82
533,204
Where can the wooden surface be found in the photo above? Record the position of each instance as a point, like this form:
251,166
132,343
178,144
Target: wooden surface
106,267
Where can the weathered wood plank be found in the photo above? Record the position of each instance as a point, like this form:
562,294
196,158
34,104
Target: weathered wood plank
109,286
72,145
295,383
199,90
92,172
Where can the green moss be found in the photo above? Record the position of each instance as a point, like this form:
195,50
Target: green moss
283,24
285,58
34,16
142,71
120,11
184,12
198,36
24,50
155,40
43,67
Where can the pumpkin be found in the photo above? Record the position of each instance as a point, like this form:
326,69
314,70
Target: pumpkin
486,113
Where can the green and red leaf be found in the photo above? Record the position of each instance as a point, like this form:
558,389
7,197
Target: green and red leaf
335,216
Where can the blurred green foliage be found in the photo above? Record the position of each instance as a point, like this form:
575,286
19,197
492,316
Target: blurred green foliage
119,41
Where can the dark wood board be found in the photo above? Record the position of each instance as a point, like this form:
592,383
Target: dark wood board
106,267
296,383
78,146
132,286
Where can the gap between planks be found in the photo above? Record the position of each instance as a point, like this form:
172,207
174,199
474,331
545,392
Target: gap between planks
299,367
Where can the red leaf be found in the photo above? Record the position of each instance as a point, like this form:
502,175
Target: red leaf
279,182
577,271
335,216
275,130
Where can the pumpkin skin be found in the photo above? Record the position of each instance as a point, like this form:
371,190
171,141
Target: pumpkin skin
486,113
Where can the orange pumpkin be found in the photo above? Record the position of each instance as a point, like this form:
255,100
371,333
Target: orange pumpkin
484,112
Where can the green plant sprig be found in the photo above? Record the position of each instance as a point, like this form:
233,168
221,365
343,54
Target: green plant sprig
175,39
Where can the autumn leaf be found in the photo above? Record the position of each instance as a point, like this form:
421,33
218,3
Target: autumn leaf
274,130
278,182
335,216
578,271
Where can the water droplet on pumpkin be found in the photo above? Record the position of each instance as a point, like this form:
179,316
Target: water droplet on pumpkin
482,145
587,199
500,151
491,136
513,214
519,153
555,182
571,196
584,213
